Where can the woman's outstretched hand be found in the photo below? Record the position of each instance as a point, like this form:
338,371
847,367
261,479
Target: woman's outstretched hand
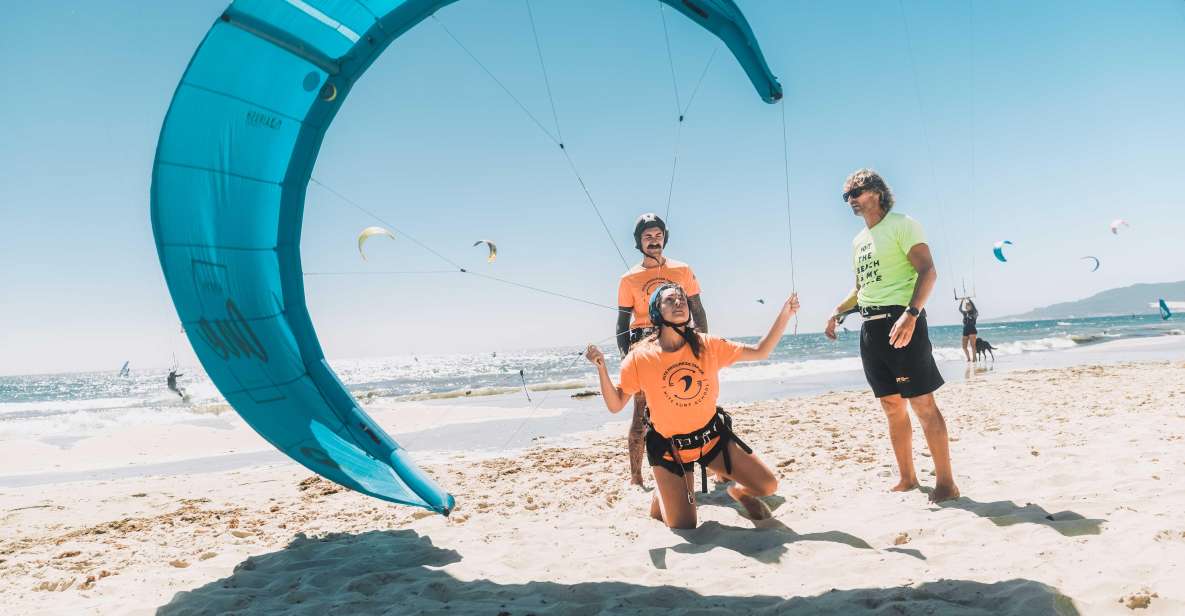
594,355
791,305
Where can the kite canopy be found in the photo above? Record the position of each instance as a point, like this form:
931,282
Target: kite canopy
998,250
1117,223
1096,262
493,256
368,233
232,166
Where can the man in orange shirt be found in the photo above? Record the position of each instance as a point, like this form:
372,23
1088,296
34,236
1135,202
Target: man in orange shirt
633,319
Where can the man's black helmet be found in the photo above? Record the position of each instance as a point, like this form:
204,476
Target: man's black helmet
647,221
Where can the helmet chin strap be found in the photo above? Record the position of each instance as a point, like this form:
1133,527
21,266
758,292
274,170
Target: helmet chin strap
684,329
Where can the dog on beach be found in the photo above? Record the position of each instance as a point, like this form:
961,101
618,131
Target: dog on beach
983,348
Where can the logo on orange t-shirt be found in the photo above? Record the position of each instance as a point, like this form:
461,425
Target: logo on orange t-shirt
685,384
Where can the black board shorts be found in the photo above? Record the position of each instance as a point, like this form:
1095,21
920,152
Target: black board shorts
969,329
910,371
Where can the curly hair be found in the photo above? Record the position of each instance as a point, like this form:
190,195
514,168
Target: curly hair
871,180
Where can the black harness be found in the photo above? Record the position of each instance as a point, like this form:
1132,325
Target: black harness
658,446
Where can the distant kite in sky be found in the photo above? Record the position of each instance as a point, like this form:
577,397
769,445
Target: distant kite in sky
998,250
760,301
1096,262
367,233
1118,222
493,249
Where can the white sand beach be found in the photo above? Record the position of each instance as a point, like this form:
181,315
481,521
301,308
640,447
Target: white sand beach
1072,499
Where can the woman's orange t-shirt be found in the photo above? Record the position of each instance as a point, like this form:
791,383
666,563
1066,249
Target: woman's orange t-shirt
681,390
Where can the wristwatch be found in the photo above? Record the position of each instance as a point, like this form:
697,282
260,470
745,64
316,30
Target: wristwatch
913,311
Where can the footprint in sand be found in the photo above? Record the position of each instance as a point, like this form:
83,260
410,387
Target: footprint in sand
180,564
55,586
1139,600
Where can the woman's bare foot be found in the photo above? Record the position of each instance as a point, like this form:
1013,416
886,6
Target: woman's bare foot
754,506
944,493
905,485
655,509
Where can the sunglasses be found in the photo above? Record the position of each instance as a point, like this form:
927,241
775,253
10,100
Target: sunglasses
853,193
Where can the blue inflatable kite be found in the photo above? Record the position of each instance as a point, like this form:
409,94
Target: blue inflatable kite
228,188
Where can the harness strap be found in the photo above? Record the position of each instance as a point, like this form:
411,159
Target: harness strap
720,426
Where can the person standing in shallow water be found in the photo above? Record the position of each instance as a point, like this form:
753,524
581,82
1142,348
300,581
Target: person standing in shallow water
633,318
970,316
895,275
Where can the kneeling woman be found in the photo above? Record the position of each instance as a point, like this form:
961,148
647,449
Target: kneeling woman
677,370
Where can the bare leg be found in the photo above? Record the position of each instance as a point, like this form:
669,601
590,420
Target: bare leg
968,350
636,439
901,435
674,508
753,479
973,337
934,426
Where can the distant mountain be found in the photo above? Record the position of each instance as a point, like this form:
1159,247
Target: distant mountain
1124,300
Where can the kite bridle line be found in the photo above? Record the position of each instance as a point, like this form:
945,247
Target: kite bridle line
536,406
555,139
789,221
459,269
926,138
974,184
680,110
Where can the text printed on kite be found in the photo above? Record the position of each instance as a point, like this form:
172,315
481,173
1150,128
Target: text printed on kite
232,166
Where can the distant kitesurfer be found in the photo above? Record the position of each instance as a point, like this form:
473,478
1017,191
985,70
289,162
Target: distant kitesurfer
895,275
677,368
970,316
633,320
172,381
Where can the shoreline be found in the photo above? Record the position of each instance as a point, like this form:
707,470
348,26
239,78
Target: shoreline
486,427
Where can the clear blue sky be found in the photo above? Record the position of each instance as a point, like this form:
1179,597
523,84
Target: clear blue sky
1071,111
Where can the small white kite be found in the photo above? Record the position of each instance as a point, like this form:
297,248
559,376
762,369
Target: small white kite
493,249
367,233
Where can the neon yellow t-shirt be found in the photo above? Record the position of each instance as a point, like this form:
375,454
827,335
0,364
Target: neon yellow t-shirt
879,257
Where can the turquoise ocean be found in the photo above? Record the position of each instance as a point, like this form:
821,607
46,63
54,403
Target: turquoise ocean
61,408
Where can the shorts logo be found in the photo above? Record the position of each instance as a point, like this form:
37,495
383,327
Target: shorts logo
685,384
902,379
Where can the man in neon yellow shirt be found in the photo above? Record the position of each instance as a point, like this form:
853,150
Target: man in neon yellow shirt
894,277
